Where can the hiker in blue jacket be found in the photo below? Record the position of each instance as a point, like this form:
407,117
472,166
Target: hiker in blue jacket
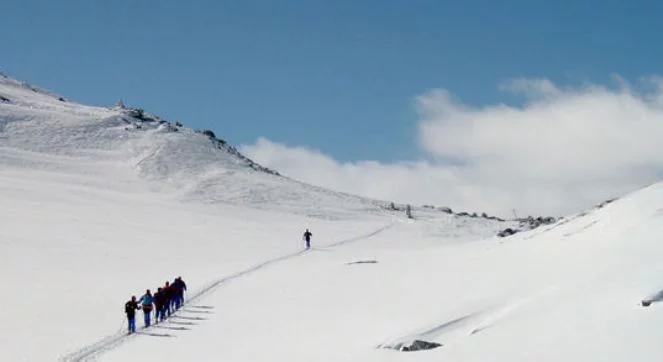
147,301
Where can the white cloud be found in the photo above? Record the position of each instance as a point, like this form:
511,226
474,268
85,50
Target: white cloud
560,152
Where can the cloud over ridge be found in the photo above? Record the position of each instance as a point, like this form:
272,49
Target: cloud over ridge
562,150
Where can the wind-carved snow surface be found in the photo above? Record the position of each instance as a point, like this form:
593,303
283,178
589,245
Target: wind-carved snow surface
98,204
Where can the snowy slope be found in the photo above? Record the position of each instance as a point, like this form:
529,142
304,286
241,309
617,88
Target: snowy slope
568,293
96,208
101,203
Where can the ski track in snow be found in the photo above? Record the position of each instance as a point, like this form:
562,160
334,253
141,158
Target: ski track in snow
581,229
499,314
112,341
467,325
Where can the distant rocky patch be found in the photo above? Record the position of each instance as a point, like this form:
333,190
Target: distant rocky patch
526,224
416,345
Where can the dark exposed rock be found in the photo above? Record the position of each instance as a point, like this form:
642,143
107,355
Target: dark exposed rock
137,113
506,232
141,115
605,203
30,87
534,222
529,223
419,345
208,133
222,144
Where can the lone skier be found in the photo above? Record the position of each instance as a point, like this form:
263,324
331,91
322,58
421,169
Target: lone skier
307,238
146,302
130,308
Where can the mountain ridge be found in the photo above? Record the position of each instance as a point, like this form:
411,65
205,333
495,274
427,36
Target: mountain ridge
194,163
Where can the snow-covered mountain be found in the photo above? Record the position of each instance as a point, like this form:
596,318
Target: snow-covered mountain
194,165
102,203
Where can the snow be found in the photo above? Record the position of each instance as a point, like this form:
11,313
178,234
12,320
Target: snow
96,209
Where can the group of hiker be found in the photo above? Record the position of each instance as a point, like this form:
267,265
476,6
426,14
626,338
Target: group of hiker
165,301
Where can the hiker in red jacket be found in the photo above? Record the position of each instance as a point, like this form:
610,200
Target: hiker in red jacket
168,293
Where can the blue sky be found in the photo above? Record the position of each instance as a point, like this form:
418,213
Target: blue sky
338,76
377,97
